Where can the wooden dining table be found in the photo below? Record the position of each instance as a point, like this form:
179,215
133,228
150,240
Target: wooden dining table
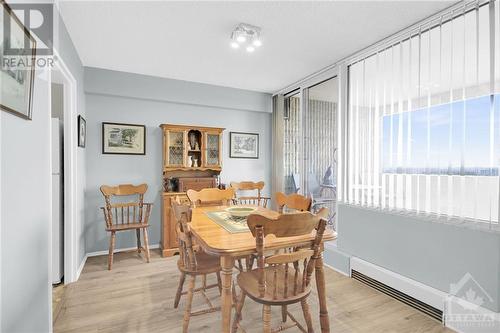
214,239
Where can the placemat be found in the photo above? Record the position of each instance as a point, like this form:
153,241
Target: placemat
229,223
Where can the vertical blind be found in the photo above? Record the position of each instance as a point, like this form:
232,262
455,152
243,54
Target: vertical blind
424,119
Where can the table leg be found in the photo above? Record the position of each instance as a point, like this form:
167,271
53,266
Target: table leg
320,286
227,263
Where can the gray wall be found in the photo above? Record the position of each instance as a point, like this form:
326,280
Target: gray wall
138,99
433,253
25,212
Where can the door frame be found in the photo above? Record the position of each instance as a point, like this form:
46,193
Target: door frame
61,71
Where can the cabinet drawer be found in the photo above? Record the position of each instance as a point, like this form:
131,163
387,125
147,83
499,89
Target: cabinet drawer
196,184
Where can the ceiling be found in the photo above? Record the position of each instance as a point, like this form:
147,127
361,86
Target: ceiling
190,40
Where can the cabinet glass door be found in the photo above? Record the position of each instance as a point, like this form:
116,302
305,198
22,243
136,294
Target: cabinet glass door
175,156
212,149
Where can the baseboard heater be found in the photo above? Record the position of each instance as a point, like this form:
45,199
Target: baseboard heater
402,297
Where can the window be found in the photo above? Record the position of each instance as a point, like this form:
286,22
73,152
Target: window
424,119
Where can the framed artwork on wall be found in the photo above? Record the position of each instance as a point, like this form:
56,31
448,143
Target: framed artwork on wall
16,88
82,132
124,139
243,145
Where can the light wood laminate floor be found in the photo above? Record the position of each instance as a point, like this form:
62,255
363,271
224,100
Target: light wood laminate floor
138,297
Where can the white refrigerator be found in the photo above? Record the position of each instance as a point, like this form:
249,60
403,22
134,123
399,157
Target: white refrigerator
57,201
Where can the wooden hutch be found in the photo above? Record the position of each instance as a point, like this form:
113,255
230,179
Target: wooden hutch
192,159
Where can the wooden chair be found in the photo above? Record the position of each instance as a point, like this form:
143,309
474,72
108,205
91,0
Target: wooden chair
210,197
122,216
258,200
282,281
293,201
193,264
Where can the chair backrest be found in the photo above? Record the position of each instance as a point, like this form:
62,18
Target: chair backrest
125,212
255,199
292,201
211,197
182,214
287,225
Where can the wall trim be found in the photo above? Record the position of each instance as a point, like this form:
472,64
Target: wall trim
336,270
105,252
434,297
123,249
406,285
158,100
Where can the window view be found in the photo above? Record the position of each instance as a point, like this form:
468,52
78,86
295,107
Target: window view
320,134
292,144
424,122
310,145
447,139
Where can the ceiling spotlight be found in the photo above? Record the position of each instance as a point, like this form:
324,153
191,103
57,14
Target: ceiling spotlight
247,36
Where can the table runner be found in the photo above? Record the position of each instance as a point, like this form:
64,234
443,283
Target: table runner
229,223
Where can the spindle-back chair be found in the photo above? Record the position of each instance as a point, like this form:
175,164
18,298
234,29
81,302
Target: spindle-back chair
283,278
258,199
192,263
121,216
210,197
293,201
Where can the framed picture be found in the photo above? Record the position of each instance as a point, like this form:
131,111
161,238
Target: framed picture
125,139
82,132
16,88
243,145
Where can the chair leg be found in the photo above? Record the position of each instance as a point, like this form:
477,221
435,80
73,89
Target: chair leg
179,290
111,249
266,318
146,243
219,283
283,313
189,301
237,313
307,316
204,281
138,234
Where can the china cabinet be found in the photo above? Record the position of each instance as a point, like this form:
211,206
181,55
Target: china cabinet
192,159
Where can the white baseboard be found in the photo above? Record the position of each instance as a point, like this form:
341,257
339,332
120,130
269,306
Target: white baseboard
336,270
477,319
415,289
80,268
105,252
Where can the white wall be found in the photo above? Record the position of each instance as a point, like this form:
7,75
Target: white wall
130,98
25,195
25,168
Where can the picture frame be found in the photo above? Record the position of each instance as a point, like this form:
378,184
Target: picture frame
243,145
16,95
123,139
82,131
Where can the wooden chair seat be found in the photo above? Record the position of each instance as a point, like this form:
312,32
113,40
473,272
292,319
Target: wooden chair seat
205,264
127,226
286,292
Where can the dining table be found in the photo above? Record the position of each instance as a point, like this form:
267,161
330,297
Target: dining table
216,240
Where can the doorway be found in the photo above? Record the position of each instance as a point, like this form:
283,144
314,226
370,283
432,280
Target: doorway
63,257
